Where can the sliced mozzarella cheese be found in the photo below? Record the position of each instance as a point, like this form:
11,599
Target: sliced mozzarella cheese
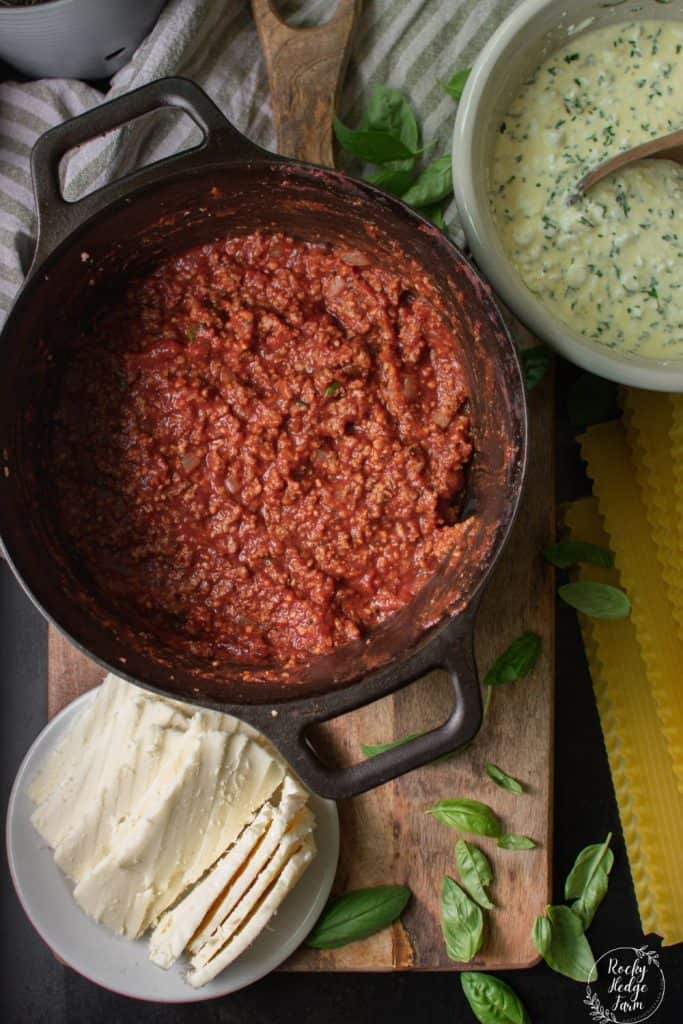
292,799
248,904
106,736
259,919
213,824
186,822
117,806
178,925
119,889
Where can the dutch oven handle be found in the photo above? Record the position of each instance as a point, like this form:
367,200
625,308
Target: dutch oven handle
452,651
57,217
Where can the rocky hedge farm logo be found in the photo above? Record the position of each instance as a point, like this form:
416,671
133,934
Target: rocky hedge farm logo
629,986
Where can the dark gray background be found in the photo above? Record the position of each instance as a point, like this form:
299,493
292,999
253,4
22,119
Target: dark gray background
36,988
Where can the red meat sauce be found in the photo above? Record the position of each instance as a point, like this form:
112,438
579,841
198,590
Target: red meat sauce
260,448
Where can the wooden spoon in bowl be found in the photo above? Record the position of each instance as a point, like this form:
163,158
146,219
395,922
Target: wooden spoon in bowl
668,147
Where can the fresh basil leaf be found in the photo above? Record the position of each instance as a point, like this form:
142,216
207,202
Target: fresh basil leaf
435,214
559,939
572,552
515,662
588,880
332,388
389,111
455,86
597,856
394,180
503,780
513,842
434,184
592,400
599,600
357,914
462,922
372,749
375,147
541,933
469,816
491,1000
475,872
587,904
535,363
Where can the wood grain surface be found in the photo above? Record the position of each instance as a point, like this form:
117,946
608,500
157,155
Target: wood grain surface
305,70
386,835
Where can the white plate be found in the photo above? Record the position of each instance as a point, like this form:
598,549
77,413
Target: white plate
123,966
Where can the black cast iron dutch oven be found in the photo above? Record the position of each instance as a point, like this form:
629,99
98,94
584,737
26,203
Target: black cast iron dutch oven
86,249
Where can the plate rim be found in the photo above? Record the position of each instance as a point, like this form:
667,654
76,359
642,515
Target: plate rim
193,995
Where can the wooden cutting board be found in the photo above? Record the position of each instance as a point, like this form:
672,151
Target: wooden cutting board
386,836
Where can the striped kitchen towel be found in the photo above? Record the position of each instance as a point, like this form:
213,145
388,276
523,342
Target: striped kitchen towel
412,45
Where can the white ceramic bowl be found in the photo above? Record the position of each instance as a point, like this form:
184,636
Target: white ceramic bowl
522,42
75,38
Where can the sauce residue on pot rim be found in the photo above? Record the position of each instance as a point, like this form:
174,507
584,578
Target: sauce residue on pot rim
259,449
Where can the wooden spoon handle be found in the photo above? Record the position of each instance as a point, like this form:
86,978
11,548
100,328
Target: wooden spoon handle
305,70
667,147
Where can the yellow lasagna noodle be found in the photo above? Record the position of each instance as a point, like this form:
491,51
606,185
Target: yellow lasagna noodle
648,419
610,467
650,803
676,441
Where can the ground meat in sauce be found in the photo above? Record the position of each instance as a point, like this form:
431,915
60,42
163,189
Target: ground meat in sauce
259,448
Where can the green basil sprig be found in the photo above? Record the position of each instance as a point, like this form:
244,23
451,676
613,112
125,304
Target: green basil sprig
435,214
558,937
358,914
468,816
503,780
462,922
372,749
515,662
574,552
491,1000
375,147
393,179
588,880
389,111
475,872
535,363
434,184
514,842
599,600
455,85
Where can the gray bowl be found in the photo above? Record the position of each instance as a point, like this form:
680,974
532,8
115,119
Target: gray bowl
520,44
75,38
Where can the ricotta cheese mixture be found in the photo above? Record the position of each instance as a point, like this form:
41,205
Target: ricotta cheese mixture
610,265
